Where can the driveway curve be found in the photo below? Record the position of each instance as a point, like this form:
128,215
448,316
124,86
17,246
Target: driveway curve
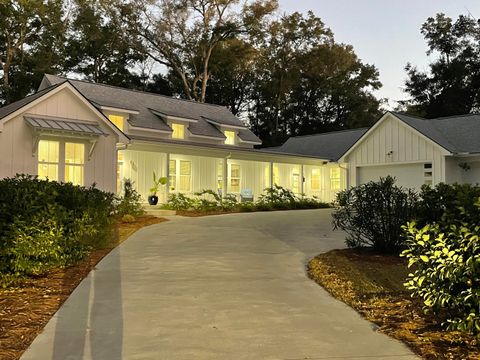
218,287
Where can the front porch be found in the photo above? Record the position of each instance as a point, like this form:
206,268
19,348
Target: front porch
193,169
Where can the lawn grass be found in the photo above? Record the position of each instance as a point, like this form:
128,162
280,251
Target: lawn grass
372,285
26,309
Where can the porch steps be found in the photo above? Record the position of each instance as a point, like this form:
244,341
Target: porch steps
157,212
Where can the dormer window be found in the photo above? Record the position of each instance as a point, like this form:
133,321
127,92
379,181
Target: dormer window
118,121
230,137
178,131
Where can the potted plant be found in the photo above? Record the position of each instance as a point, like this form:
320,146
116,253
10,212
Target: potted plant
157,182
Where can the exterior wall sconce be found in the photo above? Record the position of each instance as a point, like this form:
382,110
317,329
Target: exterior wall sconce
390,153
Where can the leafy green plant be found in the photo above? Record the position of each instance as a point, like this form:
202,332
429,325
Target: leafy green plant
373,214
446,271
44,224
130,203
179,202
157,182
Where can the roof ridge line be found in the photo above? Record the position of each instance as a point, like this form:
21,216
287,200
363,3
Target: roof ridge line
138,91
329,132
455,116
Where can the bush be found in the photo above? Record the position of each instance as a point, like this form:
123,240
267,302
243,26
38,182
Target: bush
372,214
44,224
130,203
446,263
276,198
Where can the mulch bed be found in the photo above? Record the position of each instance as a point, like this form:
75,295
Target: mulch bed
26,309
372,285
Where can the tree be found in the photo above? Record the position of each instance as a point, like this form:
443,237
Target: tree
183,34
307,83
31,38
451,86
100,47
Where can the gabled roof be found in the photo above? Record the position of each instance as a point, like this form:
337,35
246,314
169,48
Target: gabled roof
457,134
11,108
331,145
147,104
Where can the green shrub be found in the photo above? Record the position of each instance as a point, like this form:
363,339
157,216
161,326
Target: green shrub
179,202
44,224
130,203
446,264
372,214
277,197
448,203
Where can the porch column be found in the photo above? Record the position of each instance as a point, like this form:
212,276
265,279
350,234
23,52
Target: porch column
271,174
225,177
167,175
302,180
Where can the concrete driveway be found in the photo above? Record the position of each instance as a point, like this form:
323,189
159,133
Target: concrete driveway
221,287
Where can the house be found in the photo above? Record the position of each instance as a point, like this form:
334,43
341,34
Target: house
414,150
86,133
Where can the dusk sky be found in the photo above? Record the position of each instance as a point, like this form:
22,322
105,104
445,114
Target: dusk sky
384,33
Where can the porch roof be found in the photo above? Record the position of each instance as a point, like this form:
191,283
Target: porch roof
225,150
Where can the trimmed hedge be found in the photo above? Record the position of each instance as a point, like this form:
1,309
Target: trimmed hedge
45,224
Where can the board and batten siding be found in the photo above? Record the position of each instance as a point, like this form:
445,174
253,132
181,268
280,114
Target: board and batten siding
17,141
405,145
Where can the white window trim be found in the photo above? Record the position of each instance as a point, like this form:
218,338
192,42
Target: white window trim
178,176
61,156
230,178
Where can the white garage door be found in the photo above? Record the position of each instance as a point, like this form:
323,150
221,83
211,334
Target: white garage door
408,175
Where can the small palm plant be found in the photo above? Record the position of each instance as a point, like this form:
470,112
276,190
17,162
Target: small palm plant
157,182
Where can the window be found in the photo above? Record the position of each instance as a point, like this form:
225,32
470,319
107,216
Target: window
172,170
428,174
74,163
48,159
180,175
335,180
178,131
235,178
61,161
315,180
276,176
296,181
185,175
220,175
120,161
117,120
230,137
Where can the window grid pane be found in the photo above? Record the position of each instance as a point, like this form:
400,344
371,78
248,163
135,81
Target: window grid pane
315,179
235,178
74,174
74,153
48,158
230,137
335,181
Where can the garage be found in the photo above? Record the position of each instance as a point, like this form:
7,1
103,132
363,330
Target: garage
407,175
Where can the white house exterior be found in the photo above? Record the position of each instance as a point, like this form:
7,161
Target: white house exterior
88,134
414,150
84,133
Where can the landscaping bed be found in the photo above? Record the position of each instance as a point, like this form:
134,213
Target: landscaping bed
372,284
26,308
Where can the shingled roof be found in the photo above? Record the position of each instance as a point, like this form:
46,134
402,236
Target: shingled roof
147,104
331,145
457,134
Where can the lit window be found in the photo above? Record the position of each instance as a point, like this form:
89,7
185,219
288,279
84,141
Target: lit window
48,159
172,170
178,131
181,176
220,175
185,175
315,179
117,120
235,178
74,163
296,181
120,161
230,137
276,176
335,180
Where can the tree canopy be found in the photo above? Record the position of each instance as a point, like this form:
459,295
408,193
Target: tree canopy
283,74
451,85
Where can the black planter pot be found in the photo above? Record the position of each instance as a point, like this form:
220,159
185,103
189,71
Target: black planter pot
153,199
